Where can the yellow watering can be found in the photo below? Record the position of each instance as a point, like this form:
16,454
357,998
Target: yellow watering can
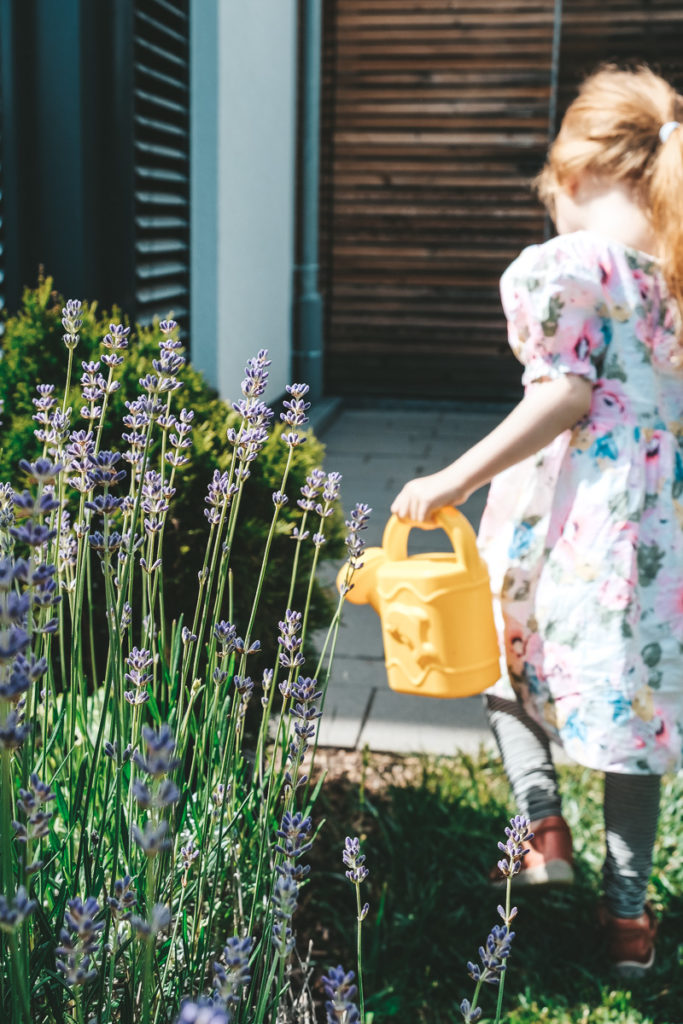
436,610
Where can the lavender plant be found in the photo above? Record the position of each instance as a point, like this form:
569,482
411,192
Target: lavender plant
151,863
357,873
494,954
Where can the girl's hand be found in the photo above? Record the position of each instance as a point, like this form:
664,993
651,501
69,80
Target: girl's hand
419,499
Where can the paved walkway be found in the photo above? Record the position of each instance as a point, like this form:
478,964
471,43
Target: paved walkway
376,450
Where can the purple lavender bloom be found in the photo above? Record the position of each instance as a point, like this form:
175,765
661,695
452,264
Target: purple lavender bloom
42,470
159,746
226,635
311,490
206,1011
285,898
470,1016
117,339
105,504
340,992
14,911
31,805
332,487
12,732
71,322
256,375
230,978
493,956
354,860
124,899
33,534
98,542
289,640
295,833
13,687
517,834
158,921
102,470
6,506
13,643
296,409
357,522
153,839
138,660
79,940
220,491
166,794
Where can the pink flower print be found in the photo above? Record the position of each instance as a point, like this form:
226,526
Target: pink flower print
644,282
615,593
606,267
610,405
576,551
515,645
653,474
558,669
662,734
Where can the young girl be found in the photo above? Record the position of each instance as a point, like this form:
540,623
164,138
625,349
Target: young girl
583,529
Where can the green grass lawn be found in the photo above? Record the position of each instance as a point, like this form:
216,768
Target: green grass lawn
430,843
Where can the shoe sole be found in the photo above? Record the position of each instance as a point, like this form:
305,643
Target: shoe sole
633,969
554,872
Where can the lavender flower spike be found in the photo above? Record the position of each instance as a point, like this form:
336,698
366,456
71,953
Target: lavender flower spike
14,911
355,861
518,833
206,1011
340,992
231,977
470,1014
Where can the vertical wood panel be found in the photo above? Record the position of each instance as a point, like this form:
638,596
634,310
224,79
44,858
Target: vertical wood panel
437,121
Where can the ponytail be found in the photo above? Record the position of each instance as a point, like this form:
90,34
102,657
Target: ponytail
613,130
666,205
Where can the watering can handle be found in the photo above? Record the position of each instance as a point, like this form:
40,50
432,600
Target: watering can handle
452,521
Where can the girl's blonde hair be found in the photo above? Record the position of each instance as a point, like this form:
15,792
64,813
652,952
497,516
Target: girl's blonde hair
611,130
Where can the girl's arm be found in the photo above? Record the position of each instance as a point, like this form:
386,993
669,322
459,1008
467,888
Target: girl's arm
548,408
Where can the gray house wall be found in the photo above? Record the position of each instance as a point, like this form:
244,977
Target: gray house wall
243,116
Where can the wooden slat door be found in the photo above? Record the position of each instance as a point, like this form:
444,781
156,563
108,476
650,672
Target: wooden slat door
626,32
436,120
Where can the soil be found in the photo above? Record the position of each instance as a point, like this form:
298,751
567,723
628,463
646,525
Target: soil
354,780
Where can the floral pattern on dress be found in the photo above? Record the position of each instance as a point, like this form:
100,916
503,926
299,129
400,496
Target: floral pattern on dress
584,539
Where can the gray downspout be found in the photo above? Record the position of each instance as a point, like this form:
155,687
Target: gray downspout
308,307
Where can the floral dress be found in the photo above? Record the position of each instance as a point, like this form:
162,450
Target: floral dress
584,540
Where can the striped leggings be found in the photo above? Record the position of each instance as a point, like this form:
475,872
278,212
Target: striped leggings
631,804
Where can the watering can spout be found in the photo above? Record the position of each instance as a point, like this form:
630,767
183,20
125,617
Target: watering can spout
364,589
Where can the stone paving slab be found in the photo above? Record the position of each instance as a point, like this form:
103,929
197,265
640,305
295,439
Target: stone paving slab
377,450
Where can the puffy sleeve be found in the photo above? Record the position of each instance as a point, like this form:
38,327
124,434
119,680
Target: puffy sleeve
556,312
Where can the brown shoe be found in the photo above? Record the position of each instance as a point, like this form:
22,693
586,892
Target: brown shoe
630,941
549,860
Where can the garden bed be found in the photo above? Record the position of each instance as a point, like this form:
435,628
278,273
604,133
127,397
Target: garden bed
429,829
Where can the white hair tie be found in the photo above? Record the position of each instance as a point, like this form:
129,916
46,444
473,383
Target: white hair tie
666,130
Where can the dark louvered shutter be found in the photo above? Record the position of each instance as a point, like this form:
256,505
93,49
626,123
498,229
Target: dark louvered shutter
161,148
